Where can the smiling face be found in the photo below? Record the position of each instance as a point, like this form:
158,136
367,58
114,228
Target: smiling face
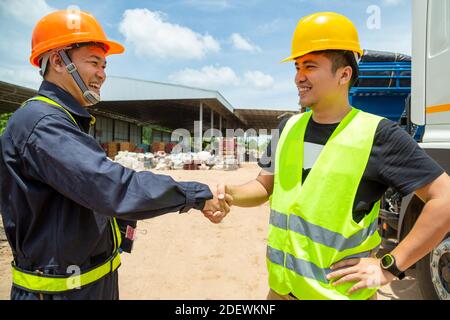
318,83
90,62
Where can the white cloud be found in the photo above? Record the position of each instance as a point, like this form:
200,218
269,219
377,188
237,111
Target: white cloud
154,37
240,43
17,20
208,77
217,78
392,3
259,80
26,11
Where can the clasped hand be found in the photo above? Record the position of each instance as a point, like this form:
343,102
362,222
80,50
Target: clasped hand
218,207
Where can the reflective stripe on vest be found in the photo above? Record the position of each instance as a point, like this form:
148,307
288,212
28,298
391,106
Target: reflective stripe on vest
321,235
38,282
53,103
304,267
311,224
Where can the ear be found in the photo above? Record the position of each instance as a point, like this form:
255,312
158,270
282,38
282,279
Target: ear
345,75
56,63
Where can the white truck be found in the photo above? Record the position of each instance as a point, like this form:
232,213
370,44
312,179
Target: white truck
429,107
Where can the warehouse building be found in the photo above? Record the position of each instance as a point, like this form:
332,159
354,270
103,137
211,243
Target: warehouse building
130,105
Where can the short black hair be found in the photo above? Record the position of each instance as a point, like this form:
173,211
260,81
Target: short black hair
341,59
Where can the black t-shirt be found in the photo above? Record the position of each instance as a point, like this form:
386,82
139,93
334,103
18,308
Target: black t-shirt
395,161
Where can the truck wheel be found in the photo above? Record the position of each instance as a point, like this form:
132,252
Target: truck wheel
433,272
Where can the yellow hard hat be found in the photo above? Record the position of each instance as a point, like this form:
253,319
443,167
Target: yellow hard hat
324,31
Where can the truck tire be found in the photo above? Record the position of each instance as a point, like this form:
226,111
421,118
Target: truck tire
433,272
426,272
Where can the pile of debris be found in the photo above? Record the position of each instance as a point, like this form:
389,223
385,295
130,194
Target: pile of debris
176,161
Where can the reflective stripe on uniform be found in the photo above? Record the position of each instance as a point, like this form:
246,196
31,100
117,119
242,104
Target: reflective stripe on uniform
116,234
53,103
36,282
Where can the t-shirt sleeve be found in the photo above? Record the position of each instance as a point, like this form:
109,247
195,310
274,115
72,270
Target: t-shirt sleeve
402,164
267,161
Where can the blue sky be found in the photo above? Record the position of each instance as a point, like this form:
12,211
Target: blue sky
232,46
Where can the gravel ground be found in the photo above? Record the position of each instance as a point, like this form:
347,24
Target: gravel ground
187,257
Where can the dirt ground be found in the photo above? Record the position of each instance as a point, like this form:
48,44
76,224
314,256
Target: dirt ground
184,256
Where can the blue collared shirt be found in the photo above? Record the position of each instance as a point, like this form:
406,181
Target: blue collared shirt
59,190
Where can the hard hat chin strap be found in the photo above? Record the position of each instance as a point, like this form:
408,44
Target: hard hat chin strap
44,64
89,95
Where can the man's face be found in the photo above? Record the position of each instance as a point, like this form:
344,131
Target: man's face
315,80
91,63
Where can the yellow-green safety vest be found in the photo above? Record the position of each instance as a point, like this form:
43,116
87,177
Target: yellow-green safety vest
311,224
36,281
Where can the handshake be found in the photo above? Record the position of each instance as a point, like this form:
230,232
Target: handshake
218,207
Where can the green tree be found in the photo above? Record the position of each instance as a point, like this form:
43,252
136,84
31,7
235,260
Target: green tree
146,135
4,117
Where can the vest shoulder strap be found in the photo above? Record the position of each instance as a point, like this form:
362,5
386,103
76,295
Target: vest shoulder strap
53,103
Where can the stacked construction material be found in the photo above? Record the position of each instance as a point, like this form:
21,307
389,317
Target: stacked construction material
179,161
228,146
135,161
229,150
157,146
169,147
144,147
112,149
127,146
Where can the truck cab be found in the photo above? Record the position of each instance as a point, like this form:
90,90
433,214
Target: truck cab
427,108
415,92
430,107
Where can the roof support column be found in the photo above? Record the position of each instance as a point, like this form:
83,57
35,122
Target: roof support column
200,147
220,122
212,119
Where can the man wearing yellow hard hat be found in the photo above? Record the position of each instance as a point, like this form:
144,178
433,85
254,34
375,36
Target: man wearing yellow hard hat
325,176
64,204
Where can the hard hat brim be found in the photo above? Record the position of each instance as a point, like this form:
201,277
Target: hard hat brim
112,47
302,53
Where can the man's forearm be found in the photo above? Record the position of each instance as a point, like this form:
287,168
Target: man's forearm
251,194
430,228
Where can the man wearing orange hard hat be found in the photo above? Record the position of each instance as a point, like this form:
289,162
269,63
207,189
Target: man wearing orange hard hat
67,209
326,174
61,31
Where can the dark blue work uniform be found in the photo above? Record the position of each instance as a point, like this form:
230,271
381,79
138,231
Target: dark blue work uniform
59,192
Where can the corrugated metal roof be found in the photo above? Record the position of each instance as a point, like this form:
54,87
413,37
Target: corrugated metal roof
149,102
12,96
127,89
262,118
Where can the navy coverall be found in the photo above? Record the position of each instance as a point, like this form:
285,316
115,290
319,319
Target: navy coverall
59,192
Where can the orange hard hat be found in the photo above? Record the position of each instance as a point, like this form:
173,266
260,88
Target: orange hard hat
66,27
